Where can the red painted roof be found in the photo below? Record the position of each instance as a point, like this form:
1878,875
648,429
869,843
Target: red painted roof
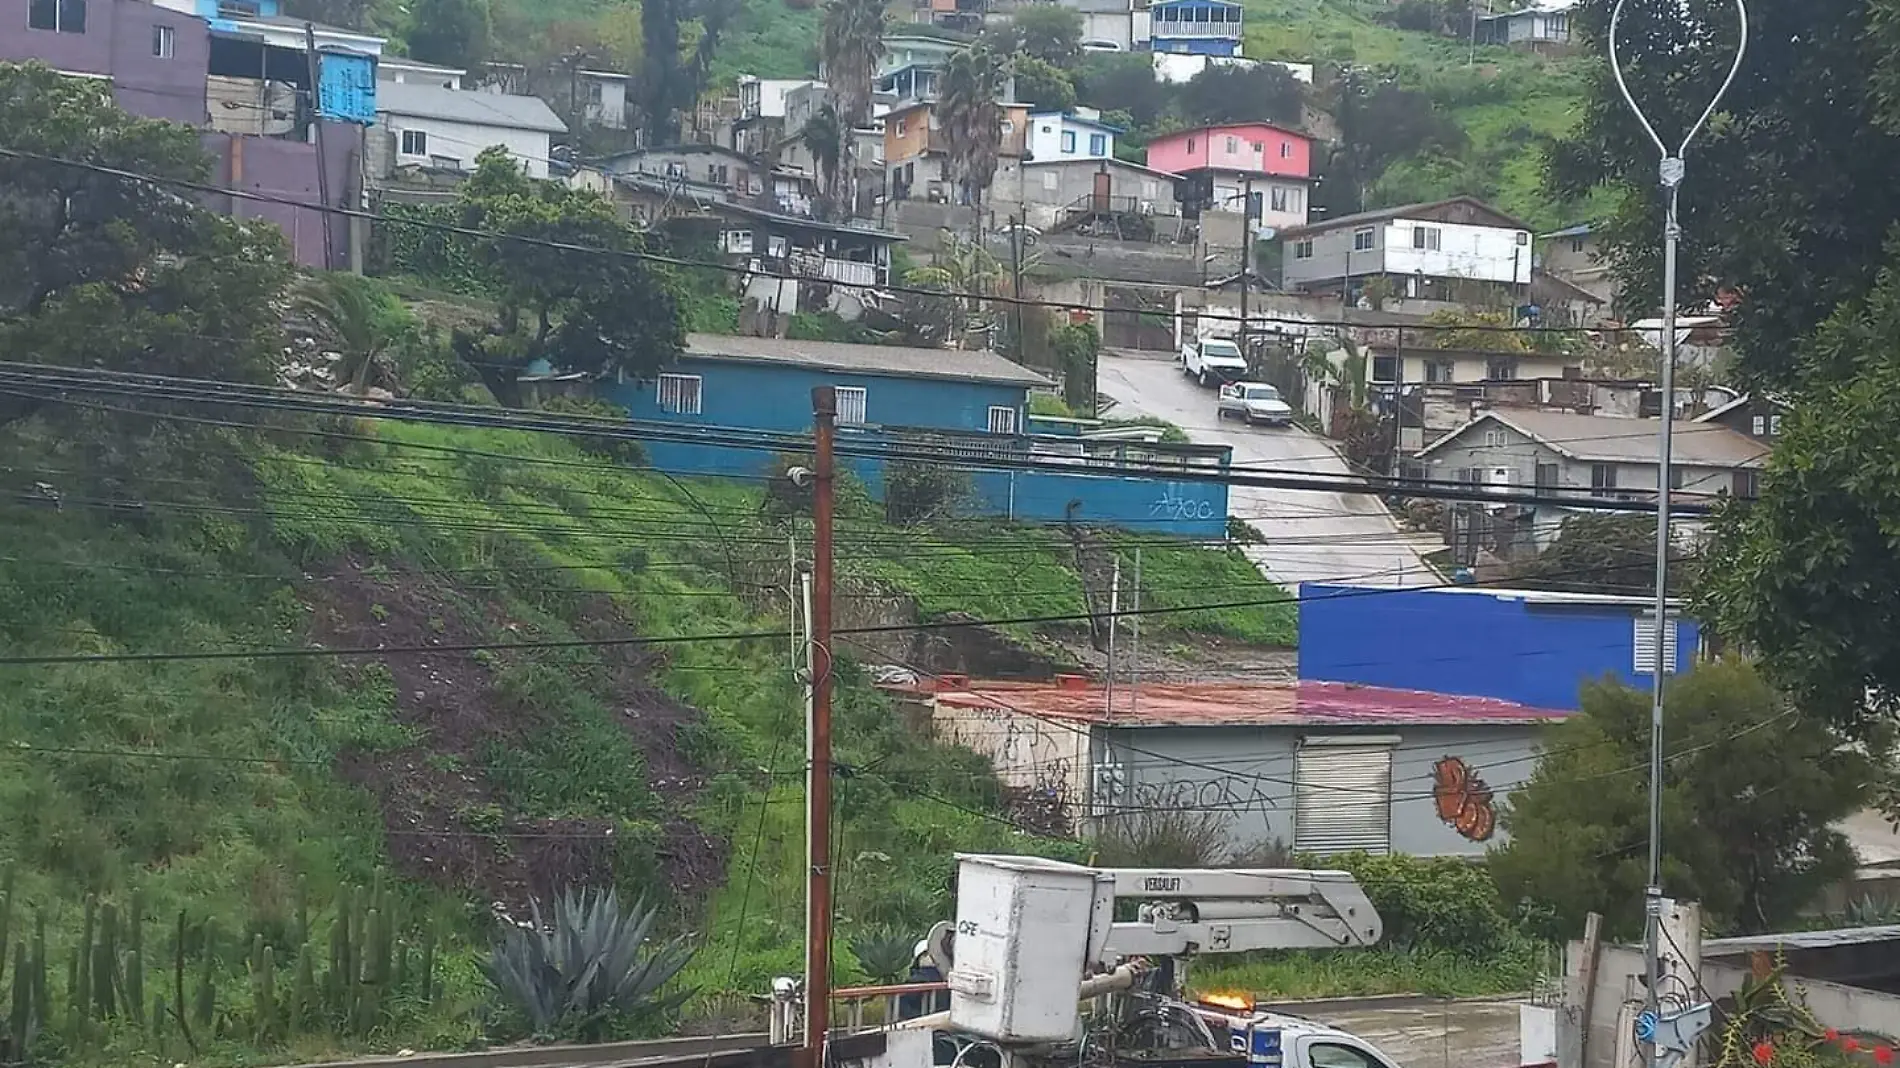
1220,704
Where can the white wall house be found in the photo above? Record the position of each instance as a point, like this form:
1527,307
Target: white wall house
1458,239
410,72
1077,135
604,98
436,127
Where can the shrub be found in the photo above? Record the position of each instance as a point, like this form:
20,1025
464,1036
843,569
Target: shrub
573,974
923,493
884,953
1431,902
618,449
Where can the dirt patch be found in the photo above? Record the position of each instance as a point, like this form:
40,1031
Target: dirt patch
445,821
1204,658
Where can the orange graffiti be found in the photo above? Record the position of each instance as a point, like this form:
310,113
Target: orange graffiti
1464,801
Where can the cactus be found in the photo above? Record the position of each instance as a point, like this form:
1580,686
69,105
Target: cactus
304,993
263,989
302,912
81,990
178,1006
42,1001
105,963
427,967
20,1022
132,961
6,917
207,992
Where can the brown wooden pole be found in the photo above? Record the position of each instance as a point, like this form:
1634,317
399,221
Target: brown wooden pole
824,410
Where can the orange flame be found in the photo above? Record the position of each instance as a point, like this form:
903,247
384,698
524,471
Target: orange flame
1237,1002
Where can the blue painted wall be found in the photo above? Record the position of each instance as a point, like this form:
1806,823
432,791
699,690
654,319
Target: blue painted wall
346,87
775,398
1480,643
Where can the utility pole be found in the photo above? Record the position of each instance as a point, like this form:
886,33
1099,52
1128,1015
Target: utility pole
1398,402
1246,256
316,122
824,411
1114,618
1134,661
1016,273
1651,1026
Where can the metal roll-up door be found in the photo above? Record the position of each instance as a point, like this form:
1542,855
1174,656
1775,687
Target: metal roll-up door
1342,799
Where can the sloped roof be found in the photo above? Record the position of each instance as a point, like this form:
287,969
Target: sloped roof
468,106
1609,439
888,360
1403,211
1302,703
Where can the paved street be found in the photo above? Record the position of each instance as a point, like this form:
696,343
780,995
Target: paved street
1311,536
1438,1034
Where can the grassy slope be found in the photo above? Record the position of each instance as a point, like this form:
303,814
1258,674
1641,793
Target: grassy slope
452,546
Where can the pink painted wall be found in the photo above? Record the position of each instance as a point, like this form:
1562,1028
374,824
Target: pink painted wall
1280,151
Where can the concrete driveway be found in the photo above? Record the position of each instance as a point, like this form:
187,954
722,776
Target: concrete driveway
1311,536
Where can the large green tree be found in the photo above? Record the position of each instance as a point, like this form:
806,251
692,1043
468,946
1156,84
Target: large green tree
1749,793
972,118
850,47
454,33
1221,94
133,274
1049,32
1789,194
607,313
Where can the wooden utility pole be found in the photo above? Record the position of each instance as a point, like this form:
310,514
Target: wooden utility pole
824,411
316,122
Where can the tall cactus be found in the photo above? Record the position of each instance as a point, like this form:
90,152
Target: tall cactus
105,962
207,1004
427,968
21,1023
303,998
263,990
6,917
132,961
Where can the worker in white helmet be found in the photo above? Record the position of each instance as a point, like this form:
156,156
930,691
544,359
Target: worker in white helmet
923,969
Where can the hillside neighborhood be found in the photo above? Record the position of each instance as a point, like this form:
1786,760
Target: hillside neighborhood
926,533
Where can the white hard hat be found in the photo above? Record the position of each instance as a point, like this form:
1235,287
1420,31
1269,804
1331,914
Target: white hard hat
921,951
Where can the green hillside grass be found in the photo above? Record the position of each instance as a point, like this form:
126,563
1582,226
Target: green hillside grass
215,787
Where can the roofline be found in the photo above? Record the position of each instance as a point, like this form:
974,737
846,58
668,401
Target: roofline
1574,230
499,122
1309,179
1366,217
1288,130
1028,379
1070,116
410,64
1709,416
1585,457
1097,160
1523,594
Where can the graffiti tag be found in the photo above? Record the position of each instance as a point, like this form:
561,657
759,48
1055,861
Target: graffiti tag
1463,800
1230,794
1171,505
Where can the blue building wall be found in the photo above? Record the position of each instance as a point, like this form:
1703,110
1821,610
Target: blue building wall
1514,645
778,398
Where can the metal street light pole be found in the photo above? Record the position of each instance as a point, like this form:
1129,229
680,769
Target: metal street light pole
1670,173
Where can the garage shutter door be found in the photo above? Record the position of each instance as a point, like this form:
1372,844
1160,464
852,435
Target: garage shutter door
1343,799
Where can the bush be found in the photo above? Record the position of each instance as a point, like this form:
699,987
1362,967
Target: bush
923,493
620,450
577,973
1431,902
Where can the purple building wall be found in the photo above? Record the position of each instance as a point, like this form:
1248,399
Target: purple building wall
287,170
119,43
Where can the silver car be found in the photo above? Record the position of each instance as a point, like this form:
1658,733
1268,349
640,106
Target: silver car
1256,402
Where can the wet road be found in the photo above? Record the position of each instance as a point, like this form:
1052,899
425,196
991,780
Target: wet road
1311,536
1435,1034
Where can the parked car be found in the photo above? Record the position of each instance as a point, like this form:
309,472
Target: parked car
1256,402
1213,359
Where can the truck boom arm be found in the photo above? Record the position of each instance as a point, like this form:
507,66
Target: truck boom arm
1212,911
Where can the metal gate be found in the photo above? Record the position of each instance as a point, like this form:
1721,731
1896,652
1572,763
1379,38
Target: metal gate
1138,318
1342,798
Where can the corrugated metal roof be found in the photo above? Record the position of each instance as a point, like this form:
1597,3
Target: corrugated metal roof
1236,704
866,359
468,106
1839,936
1610,439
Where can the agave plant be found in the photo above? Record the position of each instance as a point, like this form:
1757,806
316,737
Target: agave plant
884,954
573,972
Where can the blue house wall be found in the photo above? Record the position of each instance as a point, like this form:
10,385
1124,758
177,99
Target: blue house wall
777,398
1517,645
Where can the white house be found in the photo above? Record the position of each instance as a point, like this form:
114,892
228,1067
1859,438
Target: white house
437,127
1542,24
411,72
604,98
1446,250
1075,135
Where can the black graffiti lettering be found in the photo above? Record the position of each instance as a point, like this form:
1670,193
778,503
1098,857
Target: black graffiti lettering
1235,795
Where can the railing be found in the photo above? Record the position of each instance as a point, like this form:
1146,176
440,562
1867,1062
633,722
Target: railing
850,272
853,1008
1104,455
1195,29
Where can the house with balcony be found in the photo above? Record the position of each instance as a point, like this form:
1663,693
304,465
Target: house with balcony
1195,27
1459,251
964,16
240,71
917,153
1223,163
724,173
1099,197
969,408
1589,457
1542,26
761,123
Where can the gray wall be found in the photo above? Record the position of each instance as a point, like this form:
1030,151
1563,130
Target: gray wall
118,42
1248,772
1522,455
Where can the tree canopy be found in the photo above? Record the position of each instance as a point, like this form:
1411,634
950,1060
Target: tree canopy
1749,793
605,313
453,33
104,271
1242,94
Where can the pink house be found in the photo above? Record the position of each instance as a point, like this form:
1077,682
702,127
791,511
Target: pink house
1242,147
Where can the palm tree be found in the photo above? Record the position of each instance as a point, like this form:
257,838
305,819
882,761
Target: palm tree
352,318
972,119
849,49
823,136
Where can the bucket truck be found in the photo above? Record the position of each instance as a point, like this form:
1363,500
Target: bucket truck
1034,939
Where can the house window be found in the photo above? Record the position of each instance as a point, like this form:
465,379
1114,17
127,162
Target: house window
1493,439
1501,368
1068,142
60,16
1303,250
1190,147
1774,426
675,169
1002,420
1643,646
164,42
1098,144
1050,182
1602,480
1278,197
1362,239
1549,476
1576,245
1149,190
1427,237
1438,370
1557,26
679,394
717,175
1759,426
1342,798
593,92
1008,127
1286,150
1745,485
903,127
415,142
739,242
850,405
1233,145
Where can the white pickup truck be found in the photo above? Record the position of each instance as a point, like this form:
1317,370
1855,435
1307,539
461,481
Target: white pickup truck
1213,361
